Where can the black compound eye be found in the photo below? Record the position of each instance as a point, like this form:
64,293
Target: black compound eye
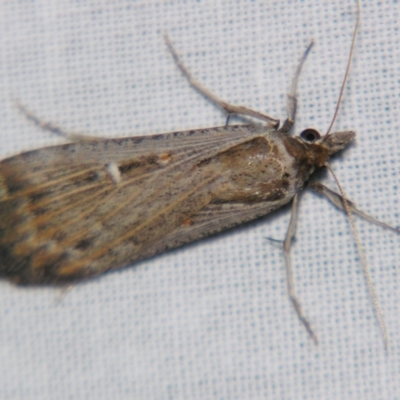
310,135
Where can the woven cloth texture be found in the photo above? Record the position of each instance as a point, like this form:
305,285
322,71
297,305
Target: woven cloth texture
212,320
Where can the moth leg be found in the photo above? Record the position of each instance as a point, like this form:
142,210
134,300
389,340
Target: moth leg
50,127
65,290
289,271
292,100
229,108
337,200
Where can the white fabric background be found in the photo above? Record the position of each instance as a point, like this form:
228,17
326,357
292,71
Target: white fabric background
211,320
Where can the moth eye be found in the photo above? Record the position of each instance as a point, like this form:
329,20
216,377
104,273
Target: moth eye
310,135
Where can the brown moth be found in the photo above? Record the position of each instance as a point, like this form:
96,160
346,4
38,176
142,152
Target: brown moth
72,212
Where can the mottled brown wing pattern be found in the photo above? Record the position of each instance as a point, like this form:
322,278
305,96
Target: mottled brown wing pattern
212,219
69,216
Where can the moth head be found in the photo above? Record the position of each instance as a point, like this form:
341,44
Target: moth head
332,142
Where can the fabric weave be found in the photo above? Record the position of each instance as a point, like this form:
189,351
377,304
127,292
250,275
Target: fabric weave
211,320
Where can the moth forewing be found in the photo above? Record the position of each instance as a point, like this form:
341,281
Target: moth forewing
61,202
69,218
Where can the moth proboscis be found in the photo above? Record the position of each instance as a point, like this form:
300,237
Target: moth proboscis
74,211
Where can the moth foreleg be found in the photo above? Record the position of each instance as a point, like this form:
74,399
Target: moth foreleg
229,108
54,129
337,200
289,271
292,100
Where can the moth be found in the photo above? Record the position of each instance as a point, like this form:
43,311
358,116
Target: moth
74,211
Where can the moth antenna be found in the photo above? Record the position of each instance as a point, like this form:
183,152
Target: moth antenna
346,205
346,74
364,262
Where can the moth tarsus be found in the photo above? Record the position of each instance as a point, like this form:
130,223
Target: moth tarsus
75,211
230,109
